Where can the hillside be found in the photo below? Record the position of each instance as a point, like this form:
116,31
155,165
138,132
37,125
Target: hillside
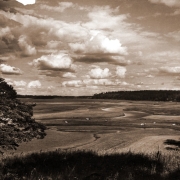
16,122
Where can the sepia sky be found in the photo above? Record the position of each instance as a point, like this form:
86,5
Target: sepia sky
81,47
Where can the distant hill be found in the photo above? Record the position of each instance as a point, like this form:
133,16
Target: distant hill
146,95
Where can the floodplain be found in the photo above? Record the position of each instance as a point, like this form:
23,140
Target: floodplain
106,126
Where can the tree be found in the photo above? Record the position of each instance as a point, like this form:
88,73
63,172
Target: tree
16,121
7,90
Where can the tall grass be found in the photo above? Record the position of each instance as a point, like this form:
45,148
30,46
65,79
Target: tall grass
87,165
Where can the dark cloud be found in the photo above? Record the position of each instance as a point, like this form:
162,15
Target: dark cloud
2,61
4,22
96,58
9,5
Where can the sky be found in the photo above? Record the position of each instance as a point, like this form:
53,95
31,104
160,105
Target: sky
81,47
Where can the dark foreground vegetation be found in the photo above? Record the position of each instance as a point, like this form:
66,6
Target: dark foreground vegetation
69,165
146,95
16,122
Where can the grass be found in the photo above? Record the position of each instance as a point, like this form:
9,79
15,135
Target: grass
87,165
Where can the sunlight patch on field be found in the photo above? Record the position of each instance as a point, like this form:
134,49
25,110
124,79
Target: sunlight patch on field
149,144
163,117
56,139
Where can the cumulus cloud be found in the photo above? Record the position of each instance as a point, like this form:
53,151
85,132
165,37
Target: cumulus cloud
59,31
121,71
100,48
81,39
19,83
28,50
171,3
69,75
56,62
34,84
98,73
99,44
170,70
6,69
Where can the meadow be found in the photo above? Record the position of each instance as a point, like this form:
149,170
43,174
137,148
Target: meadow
100,139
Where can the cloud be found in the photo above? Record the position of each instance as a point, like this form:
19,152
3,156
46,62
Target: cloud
61,8
56,62
100,82
50,88
121,71
170,70
59,31
150,76
19,83
92,82
28,50
155,70
104,18
98,73
176,12
99,44
99,48
8,41
54,44
170,3
175,35
73,83
69,75
34,84
6,69
6,32
26,2
164,56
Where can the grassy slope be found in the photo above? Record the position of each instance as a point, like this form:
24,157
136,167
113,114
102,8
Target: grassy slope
69,165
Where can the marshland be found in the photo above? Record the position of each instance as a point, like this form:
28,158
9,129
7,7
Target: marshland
99,139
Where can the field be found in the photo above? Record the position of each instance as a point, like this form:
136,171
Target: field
106,126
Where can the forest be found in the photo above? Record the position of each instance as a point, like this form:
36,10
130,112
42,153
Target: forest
146,95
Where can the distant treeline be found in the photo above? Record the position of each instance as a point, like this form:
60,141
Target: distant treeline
51,97
146,95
